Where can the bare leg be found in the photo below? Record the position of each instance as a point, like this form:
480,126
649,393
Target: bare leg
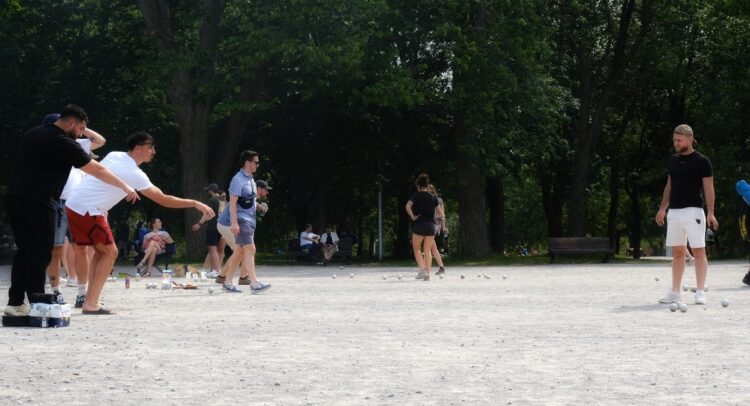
70,254
428,242
701,267
220,251
248,262
436,254
678,266
232,264
149,255
214,262
82,263
53,268
416,246
101,265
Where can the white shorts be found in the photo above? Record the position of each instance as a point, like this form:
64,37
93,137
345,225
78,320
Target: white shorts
686,225
227,234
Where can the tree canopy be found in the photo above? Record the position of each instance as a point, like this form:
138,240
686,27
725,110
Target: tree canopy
534,118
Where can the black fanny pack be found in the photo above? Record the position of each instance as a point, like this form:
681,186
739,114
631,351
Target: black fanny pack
245,202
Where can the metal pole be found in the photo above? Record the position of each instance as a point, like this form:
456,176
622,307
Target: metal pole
380,221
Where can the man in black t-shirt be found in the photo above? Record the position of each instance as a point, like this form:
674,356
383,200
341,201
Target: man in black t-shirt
689,174
214,242
42,165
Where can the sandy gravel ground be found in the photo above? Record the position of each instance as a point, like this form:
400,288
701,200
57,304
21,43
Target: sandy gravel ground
557,335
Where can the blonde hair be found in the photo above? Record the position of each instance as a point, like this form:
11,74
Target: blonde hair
683,129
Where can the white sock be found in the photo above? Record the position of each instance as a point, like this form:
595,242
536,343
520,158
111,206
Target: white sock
82,289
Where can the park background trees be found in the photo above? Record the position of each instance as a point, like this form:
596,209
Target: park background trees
534,118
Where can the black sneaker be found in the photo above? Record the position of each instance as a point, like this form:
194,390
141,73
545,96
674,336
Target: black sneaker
244,281
440,271
58,297
79,301
746,279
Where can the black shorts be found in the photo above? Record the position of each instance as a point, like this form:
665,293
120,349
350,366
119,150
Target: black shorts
424,229
212,236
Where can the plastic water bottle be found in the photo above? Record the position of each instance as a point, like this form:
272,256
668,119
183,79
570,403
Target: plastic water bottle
127,281
137,277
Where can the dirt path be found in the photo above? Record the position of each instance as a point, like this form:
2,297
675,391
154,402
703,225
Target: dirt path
578,334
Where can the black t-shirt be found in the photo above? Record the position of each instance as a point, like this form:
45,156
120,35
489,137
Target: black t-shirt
423,205
43,164
214,203
687,173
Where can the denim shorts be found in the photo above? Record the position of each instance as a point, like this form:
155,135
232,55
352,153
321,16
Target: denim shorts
61,224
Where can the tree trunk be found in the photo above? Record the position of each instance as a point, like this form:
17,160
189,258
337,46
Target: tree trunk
595,103
553,195
635,225
402,244
496,200
471,198
614,201
194,137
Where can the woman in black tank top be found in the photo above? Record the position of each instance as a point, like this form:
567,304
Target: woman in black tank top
421,209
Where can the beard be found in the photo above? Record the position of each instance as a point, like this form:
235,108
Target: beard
71,133
682,150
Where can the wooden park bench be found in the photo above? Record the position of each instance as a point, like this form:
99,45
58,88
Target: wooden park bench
294,252
580,245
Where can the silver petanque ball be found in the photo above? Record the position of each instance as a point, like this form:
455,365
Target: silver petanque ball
351,275
683,307
210,289
693,289
505,277
441,276
341,267
724,303
684,288
656,279
333,276
385,278
399,277
673,307
463,276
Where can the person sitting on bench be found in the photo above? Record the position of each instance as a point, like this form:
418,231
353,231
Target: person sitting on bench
154,243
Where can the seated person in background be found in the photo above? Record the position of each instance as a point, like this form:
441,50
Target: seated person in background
308,241
330,242
154,243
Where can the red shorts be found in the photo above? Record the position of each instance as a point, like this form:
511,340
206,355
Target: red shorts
89,230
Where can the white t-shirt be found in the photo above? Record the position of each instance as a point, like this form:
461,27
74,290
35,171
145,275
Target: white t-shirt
96,197
76,175
305,241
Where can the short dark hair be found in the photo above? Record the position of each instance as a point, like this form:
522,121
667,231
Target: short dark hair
71,110
247,155
423,180
139,138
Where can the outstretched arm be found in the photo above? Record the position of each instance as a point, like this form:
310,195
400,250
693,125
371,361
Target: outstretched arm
174,202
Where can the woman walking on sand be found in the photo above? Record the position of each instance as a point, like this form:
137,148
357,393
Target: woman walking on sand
421,208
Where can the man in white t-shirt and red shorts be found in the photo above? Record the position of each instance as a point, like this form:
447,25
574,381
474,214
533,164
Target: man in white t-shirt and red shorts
689,173
87,210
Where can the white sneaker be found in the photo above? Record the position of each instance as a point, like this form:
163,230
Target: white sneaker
72,283
213,274
671,297
700,297
63,282
16,311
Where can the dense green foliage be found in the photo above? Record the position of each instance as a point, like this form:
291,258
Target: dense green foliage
537,117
